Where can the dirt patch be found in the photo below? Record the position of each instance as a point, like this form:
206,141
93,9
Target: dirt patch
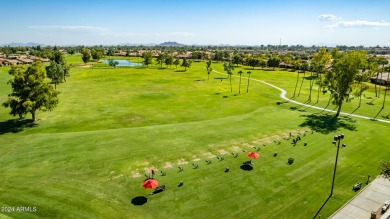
208,155
236,149
168,165
182,161
247,145
149,169
135,174
222,151
83,66
196,159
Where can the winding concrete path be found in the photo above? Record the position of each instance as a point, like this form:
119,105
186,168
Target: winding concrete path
283,96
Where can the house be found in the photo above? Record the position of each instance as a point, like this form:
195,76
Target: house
25,60
11,62
120,53
187,55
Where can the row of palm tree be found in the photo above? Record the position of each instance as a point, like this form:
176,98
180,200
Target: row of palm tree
229,67
322,63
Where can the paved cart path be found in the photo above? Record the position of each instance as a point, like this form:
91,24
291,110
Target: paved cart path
283,96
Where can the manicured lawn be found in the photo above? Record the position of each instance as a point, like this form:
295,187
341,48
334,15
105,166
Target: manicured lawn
88,157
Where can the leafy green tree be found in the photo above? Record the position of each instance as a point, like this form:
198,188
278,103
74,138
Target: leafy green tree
197,55
229,67
169,61
262,63
161,59
186,64
319,62
113,63
70,50
385,169
97,54
55,72
30,92
86,55
237,59
148,58
253,62
274,62
209,69
59,58
176,62
340,80
218,56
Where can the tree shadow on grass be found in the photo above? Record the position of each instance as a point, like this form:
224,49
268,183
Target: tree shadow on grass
15,125
139,200
326,124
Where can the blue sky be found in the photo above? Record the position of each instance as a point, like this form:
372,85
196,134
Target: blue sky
245,22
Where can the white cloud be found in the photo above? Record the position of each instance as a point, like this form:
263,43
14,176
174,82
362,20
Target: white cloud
357,24
328,17
71,28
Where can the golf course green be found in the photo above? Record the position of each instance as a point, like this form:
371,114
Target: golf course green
88,157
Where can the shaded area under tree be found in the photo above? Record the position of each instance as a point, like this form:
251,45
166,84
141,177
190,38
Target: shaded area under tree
326,124
15,125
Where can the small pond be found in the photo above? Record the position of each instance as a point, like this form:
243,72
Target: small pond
124,63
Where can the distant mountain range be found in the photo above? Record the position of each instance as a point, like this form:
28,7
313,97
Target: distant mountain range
29,44
167,44
174,44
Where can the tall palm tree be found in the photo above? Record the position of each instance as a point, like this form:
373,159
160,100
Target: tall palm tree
229,67
296,84
305,66
239,85
249,76
209,69
386,87
360,78
382,61
311,83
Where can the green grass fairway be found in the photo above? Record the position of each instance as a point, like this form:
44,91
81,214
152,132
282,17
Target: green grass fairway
88,157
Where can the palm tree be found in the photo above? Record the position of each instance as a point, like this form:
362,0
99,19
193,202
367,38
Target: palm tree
229,67
296,83
209,69
360,78
239,85
305,66
382,61
386,87
249,76
311,83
